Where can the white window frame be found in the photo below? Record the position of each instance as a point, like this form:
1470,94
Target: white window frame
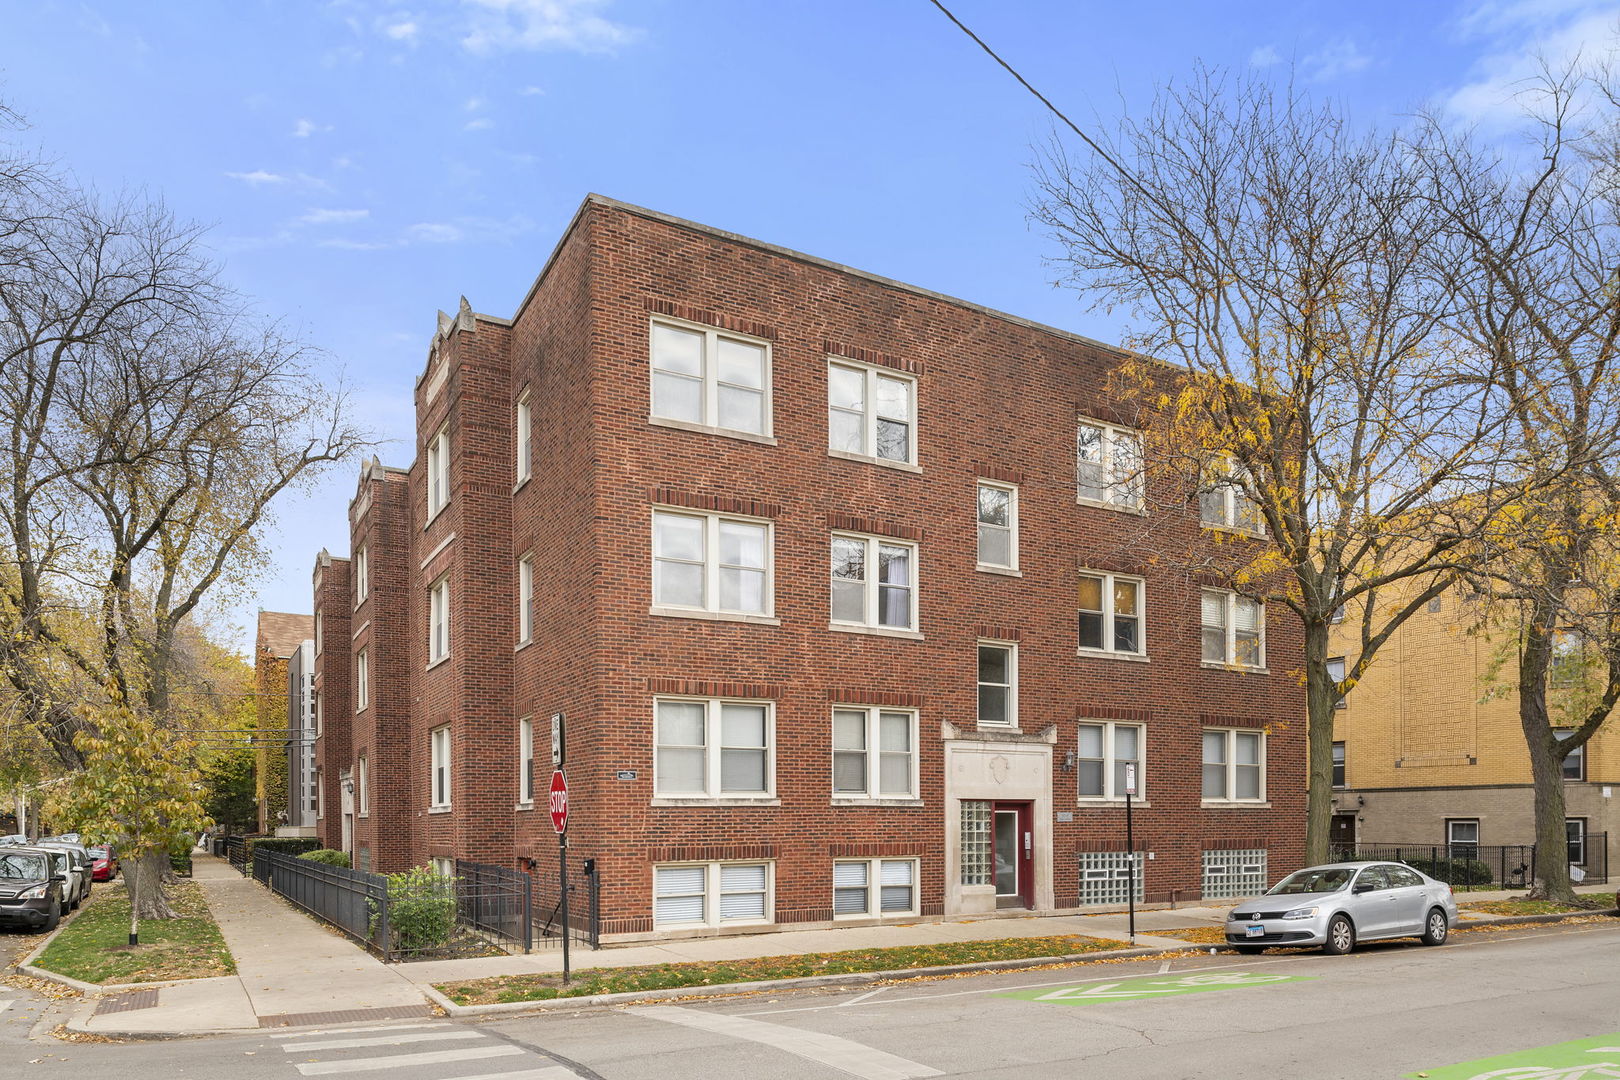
439,621
362,575
1109,614
525,600
712,565
363,786
1341,763
1581,830
362,680
319,709
871,373
712,873
1229,607
526,761
1011,685
714,751
1452,843
320,792
709,395
1578,754
1336,675
439,759
1118,493
872,567
438,473
1110,759
1231,767
1238,512
523,444
871,749
443,866
1011,528
320,633
874,889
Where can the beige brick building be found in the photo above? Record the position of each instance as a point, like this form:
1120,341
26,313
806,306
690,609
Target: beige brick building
1428,748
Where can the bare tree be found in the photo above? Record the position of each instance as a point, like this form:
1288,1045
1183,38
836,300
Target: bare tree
1281,256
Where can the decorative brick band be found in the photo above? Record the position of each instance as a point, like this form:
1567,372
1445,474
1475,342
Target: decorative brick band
872,356
710,852
711,318
855,523
803,915
879,849
895,699
635,924
1081,846
1212,720
995,472
999,633
1114,712
1246,844
720,504
712,688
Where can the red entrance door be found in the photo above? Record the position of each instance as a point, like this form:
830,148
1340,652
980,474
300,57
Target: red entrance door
1012,848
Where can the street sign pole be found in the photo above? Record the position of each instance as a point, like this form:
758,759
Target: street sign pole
1130,849
558,804
562,859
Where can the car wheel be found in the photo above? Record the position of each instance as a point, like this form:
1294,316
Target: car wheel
1436,928
1341,936
1250,950
52,920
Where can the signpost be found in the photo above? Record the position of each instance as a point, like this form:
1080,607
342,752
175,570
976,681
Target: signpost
559,820
1130,847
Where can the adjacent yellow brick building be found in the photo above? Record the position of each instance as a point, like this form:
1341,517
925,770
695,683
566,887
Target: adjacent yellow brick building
1433,754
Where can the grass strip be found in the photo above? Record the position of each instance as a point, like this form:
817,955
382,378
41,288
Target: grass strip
1539,907
592,981
94,946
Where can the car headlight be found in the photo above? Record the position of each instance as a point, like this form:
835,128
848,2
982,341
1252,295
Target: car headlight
36,893
1301,913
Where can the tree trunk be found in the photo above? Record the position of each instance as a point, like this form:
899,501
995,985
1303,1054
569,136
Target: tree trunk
1546,765
147,895
1319,711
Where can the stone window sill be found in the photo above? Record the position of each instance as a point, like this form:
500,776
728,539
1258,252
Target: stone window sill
876,631
1110,654
1004,571
869,459
1115,804
445,659
696,801
1233,804
439,809
1104,504
710,429
713,616
1236,669
895,802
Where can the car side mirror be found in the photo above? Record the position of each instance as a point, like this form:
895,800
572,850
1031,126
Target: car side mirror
1362,887
59,880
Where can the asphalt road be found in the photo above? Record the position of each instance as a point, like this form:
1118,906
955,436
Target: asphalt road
1384,1011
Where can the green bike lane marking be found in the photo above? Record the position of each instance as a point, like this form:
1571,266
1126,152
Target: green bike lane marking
1596,1058
1138,989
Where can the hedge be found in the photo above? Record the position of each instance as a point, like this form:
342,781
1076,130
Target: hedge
288,845
328,857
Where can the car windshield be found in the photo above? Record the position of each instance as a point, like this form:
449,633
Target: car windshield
1315,880
21,866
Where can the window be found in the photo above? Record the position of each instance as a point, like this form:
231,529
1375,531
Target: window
445,868
870,412
1575,837
362,576
364,787
362,680
998,685
525,600
439,621
711,894
439,753
1234,765
712,749
874,887
525,438
526,760
998,525
1335,672
709,378
884,599
1111,613
1462,837
320,633
1224,502
438,473
1108,465
320,793
1435,605
1234,629
1338,764
874,754
1566,666
1575,760
1105,749
319,718
709,563
1240,872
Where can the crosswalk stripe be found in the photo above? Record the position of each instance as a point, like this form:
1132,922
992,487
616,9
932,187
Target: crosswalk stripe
846,1055
380,1040
550,1072
405,1061
355,1030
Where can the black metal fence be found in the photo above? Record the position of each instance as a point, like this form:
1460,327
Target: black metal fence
351,900
1485,866
495,901
233,849
584,907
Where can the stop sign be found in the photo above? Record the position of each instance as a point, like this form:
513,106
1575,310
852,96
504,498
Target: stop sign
559,801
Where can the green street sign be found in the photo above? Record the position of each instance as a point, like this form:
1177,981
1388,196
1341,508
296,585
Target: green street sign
1597,1058
1151,987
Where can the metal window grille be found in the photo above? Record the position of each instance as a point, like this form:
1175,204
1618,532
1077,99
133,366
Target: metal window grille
1106,877
1234,873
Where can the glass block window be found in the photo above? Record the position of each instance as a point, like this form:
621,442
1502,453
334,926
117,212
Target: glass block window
1240,872
975,842
1106,877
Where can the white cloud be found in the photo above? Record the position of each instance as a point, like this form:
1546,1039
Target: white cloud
304,128
483,123
258,177
333,217
473,104
404,30
503,25
1264,56
1518,37
531,91
343,244
469,230
434,232
1336,58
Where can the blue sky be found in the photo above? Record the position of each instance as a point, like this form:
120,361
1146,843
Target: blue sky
363,163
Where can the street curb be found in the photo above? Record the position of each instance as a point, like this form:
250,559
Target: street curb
1529,920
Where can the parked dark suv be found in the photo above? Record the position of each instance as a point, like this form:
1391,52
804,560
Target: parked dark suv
31,885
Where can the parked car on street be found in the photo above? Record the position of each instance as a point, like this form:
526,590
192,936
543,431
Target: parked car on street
103,864
1339,904
32,884
81,864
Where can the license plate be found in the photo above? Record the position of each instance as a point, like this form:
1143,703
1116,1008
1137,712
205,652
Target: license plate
1256,931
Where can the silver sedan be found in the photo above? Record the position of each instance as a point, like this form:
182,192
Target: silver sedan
1339,904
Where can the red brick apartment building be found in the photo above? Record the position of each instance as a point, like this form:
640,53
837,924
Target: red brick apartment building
832,580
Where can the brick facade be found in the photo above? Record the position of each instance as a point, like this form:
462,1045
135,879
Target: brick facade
995,398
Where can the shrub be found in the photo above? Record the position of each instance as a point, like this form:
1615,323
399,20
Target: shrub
287,845
1457,871
421,910
327,857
